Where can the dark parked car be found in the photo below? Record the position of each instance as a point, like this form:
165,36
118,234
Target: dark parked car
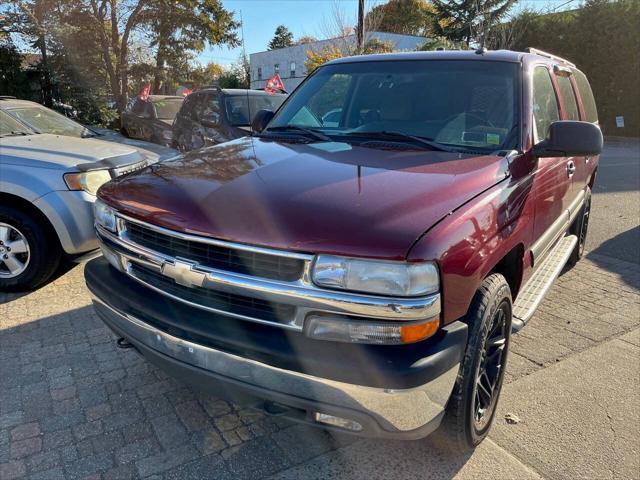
214,115
364,276
151,119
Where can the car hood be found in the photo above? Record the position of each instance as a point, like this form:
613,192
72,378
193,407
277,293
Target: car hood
320,197
152,151
66,153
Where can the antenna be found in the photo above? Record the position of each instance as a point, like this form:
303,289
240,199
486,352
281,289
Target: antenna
248,72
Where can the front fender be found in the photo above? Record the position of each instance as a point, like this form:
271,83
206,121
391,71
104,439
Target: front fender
471,241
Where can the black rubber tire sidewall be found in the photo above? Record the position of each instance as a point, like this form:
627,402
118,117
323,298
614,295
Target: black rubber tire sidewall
458,430
576,229
44,250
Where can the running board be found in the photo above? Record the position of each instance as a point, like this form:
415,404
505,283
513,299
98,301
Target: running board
539,284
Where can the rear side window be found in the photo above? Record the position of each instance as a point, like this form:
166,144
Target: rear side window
568,98
588,102
545,103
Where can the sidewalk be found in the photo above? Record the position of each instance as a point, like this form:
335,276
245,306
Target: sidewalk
579,418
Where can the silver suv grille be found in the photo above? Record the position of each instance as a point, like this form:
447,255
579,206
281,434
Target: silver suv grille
217,256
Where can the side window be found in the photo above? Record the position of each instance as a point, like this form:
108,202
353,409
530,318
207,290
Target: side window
187,106
138,107
545,103
148,110
588,102
208,105
568,98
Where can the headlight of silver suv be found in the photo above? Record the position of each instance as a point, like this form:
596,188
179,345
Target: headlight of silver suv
105,216
89,181
377,277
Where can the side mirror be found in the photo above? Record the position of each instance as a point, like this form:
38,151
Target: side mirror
261,120
568,138
211,120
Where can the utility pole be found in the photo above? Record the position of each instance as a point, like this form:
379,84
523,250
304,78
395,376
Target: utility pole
360,28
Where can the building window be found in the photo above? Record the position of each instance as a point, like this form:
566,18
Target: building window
259,73
293,69
276,68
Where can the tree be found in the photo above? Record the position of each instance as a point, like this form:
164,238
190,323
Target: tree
377,46
469,20
408,17
315,59
306,39
13,80
179,28
235,75
281,39
32,20
440,43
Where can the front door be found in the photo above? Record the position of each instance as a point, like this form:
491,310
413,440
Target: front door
552,180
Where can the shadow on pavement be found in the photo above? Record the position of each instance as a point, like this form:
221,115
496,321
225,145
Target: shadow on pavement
65,266
621,255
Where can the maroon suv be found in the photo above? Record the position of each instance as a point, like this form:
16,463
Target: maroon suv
360,263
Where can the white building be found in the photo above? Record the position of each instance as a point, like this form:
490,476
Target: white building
289,62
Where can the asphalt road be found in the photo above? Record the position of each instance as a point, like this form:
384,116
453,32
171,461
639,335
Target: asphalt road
614,226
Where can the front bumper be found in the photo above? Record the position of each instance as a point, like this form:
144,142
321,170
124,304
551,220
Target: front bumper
381,410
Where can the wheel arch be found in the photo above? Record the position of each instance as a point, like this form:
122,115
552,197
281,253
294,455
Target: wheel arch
28,207
511,268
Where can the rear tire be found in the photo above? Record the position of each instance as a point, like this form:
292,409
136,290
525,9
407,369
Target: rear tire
580,228
25,268
472,406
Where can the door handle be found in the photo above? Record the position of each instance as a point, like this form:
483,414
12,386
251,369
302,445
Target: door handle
571,168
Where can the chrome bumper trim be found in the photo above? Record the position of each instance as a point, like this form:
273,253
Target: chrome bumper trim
395,411
302,293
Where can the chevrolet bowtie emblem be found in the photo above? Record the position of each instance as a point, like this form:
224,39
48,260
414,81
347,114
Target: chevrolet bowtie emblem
183,273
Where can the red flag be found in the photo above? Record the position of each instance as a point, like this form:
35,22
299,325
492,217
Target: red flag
274,85
186,92
144,93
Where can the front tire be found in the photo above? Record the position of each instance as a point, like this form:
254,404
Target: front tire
580,228
472,406
29,254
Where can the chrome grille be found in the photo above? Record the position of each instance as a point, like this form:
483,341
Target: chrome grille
217,256
225,302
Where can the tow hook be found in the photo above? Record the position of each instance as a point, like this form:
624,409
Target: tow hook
124,344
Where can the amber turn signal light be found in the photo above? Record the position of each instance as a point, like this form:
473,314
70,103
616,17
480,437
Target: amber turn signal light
420,331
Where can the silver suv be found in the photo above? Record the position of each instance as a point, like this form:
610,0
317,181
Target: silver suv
47,189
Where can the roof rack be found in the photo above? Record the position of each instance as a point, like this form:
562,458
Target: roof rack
542,53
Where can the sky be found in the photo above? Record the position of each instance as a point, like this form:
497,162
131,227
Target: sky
308,17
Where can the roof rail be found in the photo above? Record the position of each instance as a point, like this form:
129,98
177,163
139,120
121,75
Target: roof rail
7,97
542,53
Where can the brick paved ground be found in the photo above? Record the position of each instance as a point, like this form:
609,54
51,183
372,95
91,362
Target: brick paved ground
74,406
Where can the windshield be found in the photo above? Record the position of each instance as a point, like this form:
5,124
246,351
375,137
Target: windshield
167,109
238,109
464,105
44,120
9,126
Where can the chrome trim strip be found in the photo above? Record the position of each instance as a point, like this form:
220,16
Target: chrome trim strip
394,410
213,241
549,238
305,296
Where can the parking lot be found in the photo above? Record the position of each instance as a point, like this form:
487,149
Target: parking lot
72,405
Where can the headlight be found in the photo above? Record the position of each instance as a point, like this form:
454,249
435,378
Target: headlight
105,216
377,277
90,181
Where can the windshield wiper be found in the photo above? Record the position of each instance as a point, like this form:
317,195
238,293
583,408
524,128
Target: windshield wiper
14,133
390,135
307,131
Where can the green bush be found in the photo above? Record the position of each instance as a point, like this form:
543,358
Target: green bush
602,39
